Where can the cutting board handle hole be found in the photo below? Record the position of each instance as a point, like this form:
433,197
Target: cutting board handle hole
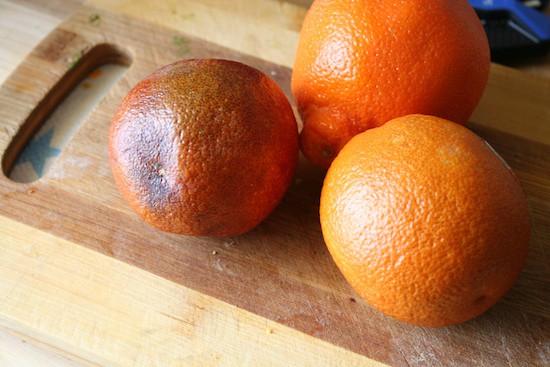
53,122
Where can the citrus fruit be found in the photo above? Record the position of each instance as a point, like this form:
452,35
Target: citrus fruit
204,147
425,221
361,63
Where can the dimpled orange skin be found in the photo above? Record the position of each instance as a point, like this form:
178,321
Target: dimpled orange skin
361,63
204,147
425,221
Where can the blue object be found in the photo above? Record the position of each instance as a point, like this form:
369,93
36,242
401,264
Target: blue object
514,30
37,151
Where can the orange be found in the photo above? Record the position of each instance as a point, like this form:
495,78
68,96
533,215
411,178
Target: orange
425,221
204,147
362,63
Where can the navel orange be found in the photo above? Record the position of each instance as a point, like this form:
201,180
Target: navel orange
362,63
425,221
204,147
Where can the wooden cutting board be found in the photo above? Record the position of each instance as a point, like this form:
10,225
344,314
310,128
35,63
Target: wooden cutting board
81,272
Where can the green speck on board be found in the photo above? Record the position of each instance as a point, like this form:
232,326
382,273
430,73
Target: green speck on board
94,19
77,55
181,45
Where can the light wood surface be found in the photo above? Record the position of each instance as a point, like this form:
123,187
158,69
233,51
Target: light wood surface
107,309
129,333
112,314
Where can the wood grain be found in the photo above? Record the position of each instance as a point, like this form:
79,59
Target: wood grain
20,350
281,270
24,23
101,310
267,29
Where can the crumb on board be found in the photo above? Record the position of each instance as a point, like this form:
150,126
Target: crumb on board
95,74
269,331
229,243
214,252
31,191
352,300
